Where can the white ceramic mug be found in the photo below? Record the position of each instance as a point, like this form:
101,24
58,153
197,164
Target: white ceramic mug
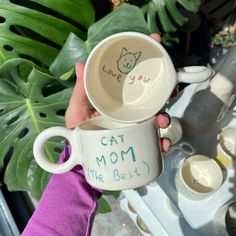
226,147
114,155
198,177
129,77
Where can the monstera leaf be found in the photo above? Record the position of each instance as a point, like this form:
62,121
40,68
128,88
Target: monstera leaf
37,29
30,101
125,18
166,9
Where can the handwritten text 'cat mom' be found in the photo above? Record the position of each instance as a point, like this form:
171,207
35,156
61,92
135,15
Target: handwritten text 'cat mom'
126,62
115,158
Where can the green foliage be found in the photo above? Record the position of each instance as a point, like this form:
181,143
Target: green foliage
103,206
223,39
125,18
37,30
30,101
167,12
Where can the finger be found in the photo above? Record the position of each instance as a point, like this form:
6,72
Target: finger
175,92
156,36
71,119
162,120
78,109
81,94
165,144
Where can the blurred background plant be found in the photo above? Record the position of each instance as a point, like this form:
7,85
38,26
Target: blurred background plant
39,43
223,39
221,42
166,16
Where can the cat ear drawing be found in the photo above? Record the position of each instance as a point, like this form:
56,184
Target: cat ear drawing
123,52
137,55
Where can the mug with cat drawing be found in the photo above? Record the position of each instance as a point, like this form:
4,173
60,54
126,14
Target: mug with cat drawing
114,155
129,77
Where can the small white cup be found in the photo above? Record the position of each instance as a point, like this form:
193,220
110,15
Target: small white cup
226,147
129,77
114,155
198,177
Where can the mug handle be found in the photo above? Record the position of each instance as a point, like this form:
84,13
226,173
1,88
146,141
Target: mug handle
40,157
194,74
186,148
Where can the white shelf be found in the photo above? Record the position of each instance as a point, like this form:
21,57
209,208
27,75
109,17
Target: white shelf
133,216
158,215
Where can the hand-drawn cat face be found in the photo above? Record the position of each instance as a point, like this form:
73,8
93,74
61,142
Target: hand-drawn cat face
127,60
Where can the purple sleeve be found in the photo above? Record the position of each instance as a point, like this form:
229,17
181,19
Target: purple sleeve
67,206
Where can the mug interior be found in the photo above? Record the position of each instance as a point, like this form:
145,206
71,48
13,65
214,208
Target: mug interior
102,123
129,77
201,174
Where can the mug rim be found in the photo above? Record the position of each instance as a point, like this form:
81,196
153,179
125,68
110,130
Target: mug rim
167,58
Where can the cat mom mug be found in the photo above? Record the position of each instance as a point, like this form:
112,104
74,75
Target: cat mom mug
114,155
129,77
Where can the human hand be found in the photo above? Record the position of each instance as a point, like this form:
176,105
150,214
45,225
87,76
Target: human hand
78,110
